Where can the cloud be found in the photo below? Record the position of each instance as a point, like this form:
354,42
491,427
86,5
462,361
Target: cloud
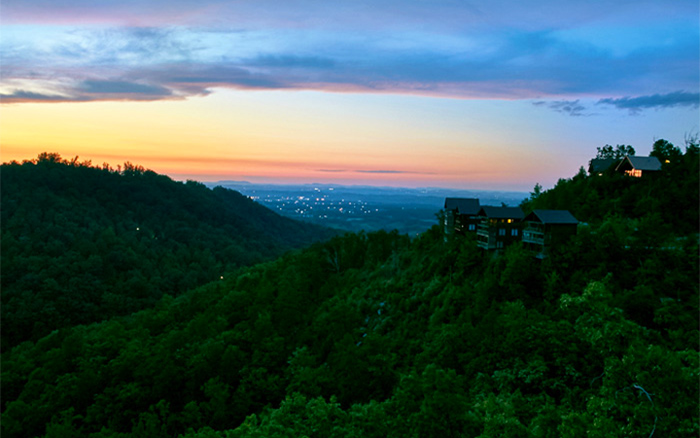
89,90
569,107
374,171
670,100
292,61
17,96
357,55
123,87
382,171
196,79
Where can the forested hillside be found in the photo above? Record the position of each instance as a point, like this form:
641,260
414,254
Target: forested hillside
380,335
666,203
82,244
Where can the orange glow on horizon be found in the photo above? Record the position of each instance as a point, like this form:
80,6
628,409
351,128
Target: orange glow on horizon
266,136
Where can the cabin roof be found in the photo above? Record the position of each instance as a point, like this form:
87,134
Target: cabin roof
601,164
463,205
639,163
552,217
501,212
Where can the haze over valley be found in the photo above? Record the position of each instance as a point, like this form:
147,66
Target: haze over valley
357,208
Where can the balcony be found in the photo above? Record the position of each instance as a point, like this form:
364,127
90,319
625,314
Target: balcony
534,237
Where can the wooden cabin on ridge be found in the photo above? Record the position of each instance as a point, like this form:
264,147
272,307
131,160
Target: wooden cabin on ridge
638,166
461,215
498,227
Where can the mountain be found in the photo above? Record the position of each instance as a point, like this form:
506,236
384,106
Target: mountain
82,244
383,335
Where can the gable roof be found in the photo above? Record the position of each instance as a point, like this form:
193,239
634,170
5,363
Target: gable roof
601,164
501,212
552,217
462,205
639,163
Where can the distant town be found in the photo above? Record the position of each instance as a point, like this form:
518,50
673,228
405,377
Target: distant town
356,208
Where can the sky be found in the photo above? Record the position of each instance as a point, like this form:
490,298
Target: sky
460,94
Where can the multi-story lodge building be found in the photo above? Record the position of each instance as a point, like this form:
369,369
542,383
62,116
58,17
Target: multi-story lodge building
461,215
499,227
546,228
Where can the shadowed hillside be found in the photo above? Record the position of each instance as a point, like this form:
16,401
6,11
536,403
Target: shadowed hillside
82,244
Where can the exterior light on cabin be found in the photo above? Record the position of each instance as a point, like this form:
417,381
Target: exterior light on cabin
222,277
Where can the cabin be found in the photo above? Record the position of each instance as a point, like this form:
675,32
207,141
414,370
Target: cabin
598,166
544,229
498,227
639,166
461,215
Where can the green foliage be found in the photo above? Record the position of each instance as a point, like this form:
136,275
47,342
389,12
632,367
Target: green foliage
82,244
671,195
378,335
620,151
402,338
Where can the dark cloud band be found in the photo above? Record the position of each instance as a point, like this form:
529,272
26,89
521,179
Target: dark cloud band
670,100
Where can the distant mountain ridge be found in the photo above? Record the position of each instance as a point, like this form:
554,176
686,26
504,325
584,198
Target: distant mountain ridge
82,243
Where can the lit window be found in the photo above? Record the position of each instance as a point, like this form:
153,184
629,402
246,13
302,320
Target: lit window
499,245
472,227
514,232
501,231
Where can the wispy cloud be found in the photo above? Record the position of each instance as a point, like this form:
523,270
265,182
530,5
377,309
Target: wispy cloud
382,171
569,107
636,104
374,171
16,96
89,90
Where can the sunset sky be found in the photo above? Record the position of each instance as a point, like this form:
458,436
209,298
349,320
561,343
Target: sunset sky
475,95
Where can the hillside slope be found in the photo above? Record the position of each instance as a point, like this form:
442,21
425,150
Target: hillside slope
82,244
379,336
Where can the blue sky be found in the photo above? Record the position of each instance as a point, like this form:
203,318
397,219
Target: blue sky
628,70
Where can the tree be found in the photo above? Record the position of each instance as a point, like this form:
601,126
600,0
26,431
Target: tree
620,151
665,151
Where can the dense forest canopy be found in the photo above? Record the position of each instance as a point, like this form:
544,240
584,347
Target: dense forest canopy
380,335
82,244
